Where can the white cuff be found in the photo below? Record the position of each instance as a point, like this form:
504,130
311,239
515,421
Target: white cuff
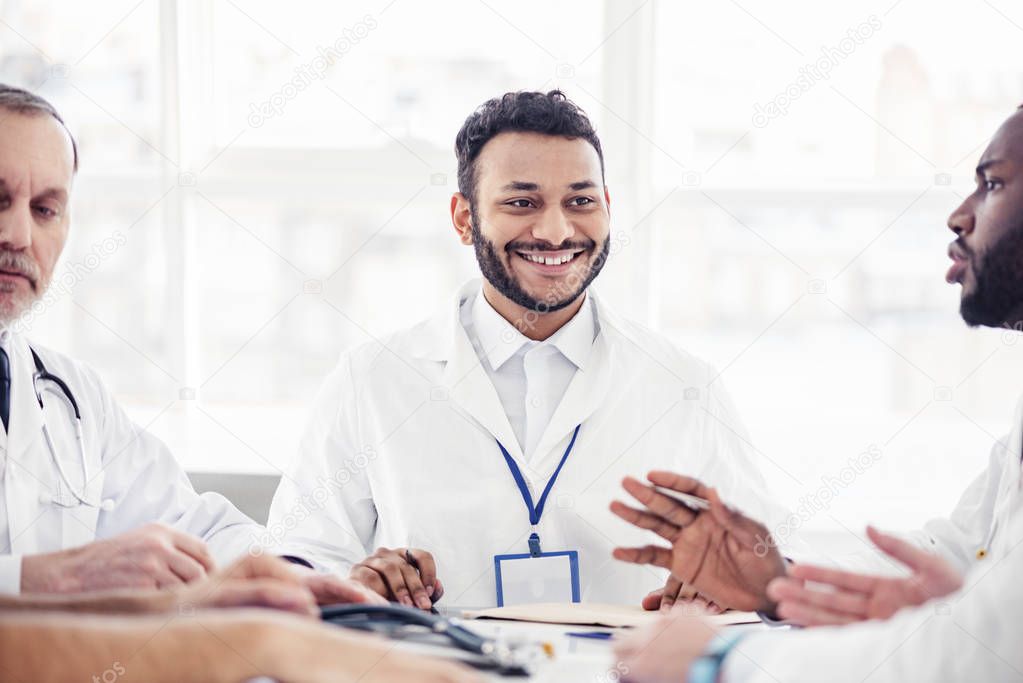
10,574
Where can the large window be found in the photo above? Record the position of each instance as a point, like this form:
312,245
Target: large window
264,184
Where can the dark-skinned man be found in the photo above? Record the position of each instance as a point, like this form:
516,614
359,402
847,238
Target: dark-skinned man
957,616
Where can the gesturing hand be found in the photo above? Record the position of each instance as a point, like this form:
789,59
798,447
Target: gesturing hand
848,597
405,575
725,556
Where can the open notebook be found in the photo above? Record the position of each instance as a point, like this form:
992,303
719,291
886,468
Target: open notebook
593,614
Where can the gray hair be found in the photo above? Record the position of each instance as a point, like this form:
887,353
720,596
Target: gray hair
22,101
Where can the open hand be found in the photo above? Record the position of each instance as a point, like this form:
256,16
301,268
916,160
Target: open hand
847,597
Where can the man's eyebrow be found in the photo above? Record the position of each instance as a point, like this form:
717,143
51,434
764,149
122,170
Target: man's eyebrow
520,186
582,185
983,166
53,193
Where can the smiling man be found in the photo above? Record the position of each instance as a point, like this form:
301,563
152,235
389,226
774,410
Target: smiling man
477,451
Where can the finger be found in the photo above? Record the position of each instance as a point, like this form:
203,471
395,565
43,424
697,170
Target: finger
390,568
787,590
650,554
184,567
652,601
913,557
438,590
414,584
427,569
850,581
646,520
263,593
714,608
671,593
810,615
370,579
330,590
193,547
678,482
161,575
692,606
658,503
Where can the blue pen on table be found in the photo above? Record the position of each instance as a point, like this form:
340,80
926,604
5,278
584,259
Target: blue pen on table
595,635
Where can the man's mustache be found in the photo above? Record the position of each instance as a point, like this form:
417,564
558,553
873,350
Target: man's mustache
19,263
959,248
547,246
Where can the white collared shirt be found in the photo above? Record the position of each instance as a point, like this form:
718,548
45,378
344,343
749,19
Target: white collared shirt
530,376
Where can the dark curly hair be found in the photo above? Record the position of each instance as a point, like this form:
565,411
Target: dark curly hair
21,101
549,113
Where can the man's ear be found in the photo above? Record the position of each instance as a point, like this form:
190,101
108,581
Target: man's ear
461,217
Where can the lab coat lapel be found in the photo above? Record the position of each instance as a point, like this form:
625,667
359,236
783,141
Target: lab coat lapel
470,389
585,394
26,419
26,476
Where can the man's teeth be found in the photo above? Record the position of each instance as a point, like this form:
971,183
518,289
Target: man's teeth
549,260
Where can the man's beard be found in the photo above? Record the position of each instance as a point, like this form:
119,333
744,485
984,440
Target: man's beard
998,294
14,302
503,281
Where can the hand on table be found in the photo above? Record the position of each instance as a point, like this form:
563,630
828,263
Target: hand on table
268,581
388,572
674,593
725,556
848,597
152,556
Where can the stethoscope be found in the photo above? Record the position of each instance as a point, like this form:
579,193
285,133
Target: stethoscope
40,378
408,623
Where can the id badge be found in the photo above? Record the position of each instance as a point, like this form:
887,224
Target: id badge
548,577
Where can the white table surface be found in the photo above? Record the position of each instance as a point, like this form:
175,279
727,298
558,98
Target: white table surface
574,659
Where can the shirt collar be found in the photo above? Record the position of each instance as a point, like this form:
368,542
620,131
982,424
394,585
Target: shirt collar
500,340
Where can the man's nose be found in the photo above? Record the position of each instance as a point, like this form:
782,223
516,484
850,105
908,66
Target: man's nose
553,227
961,222
16,228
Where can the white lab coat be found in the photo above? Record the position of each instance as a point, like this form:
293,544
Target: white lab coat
401,451
127,465
973,635
970,535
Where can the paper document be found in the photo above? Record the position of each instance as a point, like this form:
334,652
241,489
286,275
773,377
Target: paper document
593,614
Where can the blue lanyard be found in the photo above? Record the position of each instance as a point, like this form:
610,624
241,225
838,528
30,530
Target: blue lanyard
535,511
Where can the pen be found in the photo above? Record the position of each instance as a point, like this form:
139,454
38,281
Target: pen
595,635
692,502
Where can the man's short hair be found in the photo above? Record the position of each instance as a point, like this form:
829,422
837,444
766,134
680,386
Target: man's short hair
523,112
22,101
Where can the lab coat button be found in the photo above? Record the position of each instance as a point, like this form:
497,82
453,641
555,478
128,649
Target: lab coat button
982,553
